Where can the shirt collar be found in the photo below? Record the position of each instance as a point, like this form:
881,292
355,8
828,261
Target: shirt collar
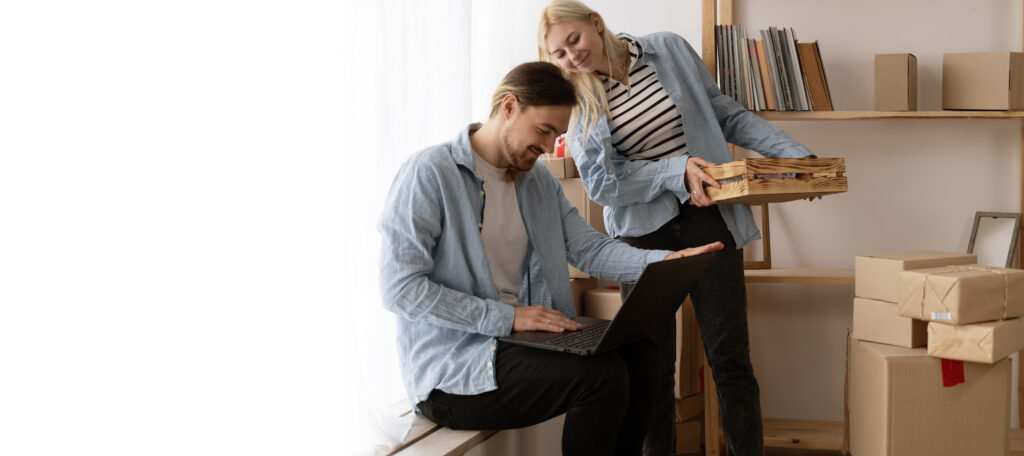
636,51
462,152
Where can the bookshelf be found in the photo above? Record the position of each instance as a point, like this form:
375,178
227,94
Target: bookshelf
811,434
880,115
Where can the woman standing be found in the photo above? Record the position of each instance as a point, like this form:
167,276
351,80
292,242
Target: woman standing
650,118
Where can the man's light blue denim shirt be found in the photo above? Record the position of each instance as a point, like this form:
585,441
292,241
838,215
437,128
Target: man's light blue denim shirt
434,273
640,196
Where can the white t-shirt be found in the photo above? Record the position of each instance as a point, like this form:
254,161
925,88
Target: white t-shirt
503,233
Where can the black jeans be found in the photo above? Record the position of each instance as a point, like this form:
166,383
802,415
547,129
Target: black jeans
606,398
720,303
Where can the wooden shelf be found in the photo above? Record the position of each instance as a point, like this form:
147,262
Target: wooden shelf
877,115
803,434
800,275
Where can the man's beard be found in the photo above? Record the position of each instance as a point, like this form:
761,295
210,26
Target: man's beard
515,169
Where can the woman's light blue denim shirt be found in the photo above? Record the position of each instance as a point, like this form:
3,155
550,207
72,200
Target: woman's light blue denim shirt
641,196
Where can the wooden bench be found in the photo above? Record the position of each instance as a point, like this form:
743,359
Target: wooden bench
431,439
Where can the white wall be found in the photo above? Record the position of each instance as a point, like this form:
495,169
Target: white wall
913,184
505,34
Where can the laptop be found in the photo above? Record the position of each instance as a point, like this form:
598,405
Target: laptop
650,305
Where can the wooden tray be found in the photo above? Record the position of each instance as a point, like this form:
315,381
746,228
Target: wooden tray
776,180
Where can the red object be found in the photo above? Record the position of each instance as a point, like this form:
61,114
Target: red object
560,147
952,372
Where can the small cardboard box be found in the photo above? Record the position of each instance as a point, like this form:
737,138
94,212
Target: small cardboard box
981,342
689,436
562,168
898,406
983,80
878,275
962,294
880,321
579,288
602,303
688,349
895,82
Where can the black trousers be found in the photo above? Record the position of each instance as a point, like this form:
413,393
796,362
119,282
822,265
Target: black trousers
607,398
720,303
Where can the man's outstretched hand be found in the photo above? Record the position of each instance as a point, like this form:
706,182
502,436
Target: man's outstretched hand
540,318
694,251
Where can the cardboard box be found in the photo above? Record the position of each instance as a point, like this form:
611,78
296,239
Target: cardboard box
579,288
689,436
689,407
981,342
589,210
983,80
602,303
595,215
962,294
562,168
878,275
688,350
895,82
880,321
898,406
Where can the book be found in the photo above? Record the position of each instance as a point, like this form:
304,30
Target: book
755,76
817,84
773,70
801,85
781,61
765,77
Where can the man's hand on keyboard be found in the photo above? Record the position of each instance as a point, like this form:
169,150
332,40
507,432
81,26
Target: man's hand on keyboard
540,318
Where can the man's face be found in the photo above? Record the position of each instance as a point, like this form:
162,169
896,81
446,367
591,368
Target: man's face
531,131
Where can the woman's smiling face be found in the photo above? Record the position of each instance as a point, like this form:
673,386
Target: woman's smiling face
577,46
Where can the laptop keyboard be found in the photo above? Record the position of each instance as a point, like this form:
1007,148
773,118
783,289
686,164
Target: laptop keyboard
585,338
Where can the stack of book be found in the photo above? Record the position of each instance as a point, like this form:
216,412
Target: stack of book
774,73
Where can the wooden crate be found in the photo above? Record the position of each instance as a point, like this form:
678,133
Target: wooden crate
776,180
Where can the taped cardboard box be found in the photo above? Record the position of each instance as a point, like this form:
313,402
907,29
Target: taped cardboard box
562,168
895,82
981,342
962,294
898,406
983,80
880,321
878,275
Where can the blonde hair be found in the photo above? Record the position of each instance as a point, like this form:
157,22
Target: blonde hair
593,102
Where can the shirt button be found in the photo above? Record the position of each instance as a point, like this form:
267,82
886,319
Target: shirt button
489,364
481,193
629,171
493,348
607,144
490,372
609,170
480,225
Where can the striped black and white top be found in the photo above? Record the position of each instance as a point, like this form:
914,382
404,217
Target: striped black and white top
644,123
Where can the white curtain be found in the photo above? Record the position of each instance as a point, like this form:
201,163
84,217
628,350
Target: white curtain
413,58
